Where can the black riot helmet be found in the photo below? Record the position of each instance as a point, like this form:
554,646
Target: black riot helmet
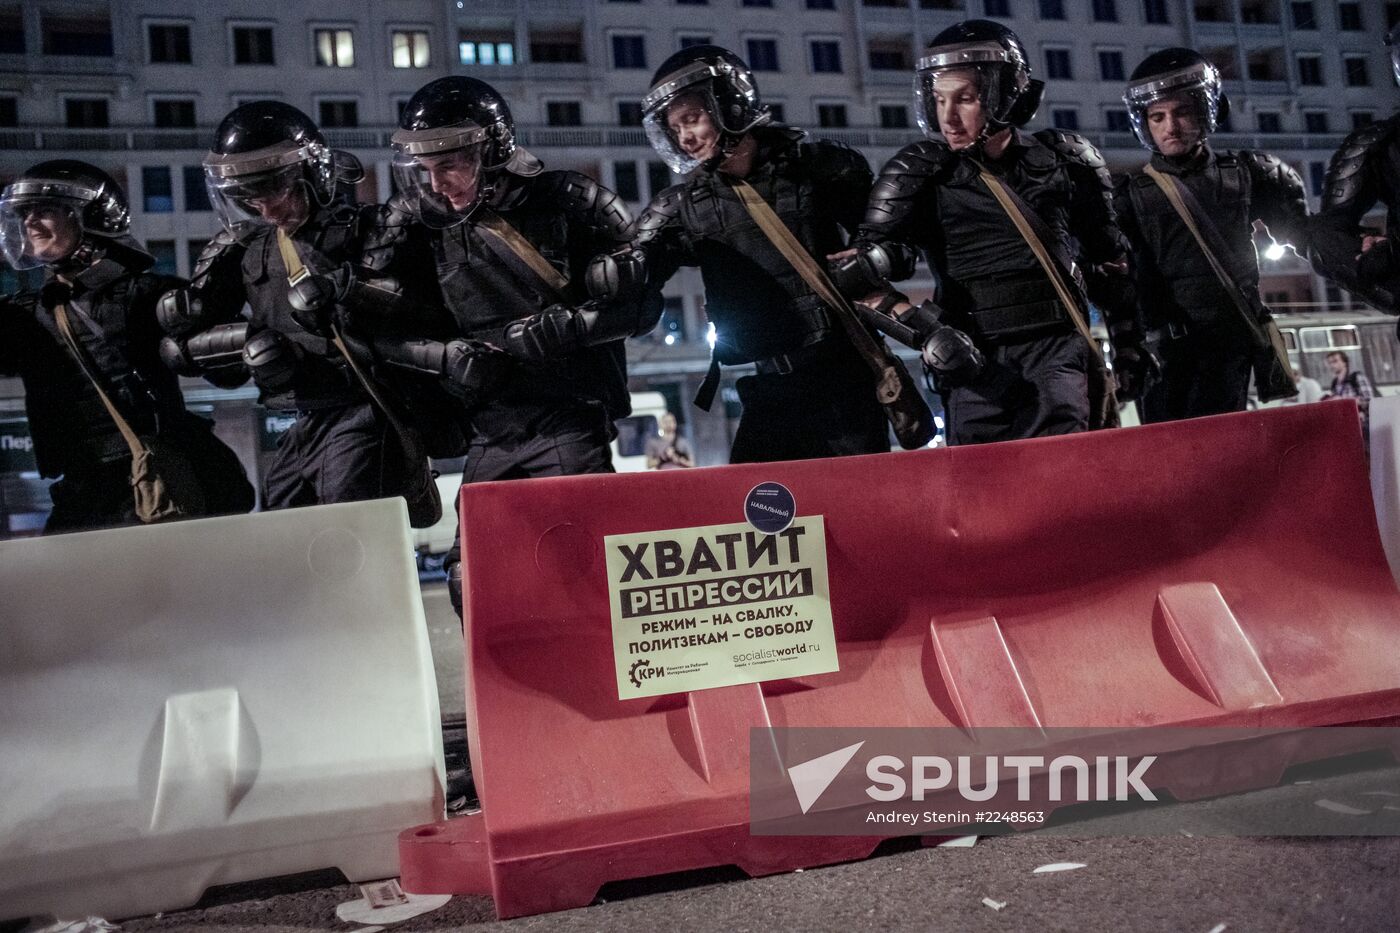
455,137
724,87
1392,42
1171,72
264,151
75,197
1010,96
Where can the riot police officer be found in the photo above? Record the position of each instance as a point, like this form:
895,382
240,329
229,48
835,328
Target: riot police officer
276,185
1366,169
1193,319
812,394
91,330
1028,368
505,246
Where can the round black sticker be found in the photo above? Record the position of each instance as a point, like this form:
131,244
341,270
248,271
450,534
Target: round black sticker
770,507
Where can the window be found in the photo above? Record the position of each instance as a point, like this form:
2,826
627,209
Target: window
758,2
563,113
408,48
168,44
658,177
998,8
1336,337
629,113
193,250
831,116
692,2
86,113
894,117
560,48
1361,119
1065,119
1358,75
763,54
1349,17
157,193
1052,9
1211,11
163,251
11,31
171,113
826,56
88,36
1303,16
625,181
1111,66
1317,177
779,113
629,51
1116,121
1392,15
252,45
1258,11
1105,11
335,48
339,114
196,193
9,111
1270,123
821,4
691,41
890,55
1155,12
485,49
1310,70
1315,122
1057,64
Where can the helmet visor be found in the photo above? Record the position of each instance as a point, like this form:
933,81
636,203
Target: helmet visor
443,187
684,128
279,198
951,82
1392,41
38,231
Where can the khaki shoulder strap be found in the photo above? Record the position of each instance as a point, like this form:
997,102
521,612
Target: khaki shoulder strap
493,224
65,327
796,254
296,271
1042,255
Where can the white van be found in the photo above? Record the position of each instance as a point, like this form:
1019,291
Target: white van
628,456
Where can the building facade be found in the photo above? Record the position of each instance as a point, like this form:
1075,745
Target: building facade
137,86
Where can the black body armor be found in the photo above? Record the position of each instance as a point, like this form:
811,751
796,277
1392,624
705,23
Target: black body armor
1365,170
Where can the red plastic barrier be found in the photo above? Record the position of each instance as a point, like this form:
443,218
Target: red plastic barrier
1225,571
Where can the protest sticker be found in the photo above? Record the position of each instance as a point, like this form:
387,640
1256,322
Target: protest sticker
694,608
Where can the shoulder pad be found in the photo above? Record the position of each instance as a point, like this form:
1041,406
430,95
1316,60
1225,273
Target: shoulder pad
1073,147
223,243
1344,173
924,157
832,159
663,210
1271,168
586,201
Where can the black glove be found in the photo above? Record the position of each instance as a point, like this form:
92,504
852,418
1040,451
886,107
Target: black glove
313,299
1134,368
473,371
553,332
55,293
1378,263
952,357
272,359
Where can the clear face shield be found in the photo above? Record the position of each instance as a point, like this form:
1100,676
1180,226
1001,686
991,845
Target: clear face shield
1392,42
445,186
1200,84
684,129
930,83
38,229
280,198
986,67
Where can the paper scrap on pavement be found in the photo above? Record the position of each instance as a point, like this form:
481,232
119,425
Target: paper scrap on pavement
359,910
995,905
1219,928
958,842
1058,866
1340,808
384,893
87,925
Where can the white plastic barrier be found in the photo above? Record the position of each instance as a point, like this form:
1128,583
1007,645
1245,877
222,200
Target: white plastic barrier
1385,475
208,702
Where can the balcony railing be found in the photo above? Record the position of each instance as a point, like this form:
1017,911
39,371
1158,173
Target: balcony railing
566,137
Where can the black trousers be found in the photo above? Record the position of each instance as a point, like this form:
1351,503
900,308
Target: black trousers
526,441
346,454
1205,372
1034,388
826,410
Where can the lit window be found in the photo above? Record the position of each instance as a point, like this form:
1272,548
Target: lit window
335,48
410,49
